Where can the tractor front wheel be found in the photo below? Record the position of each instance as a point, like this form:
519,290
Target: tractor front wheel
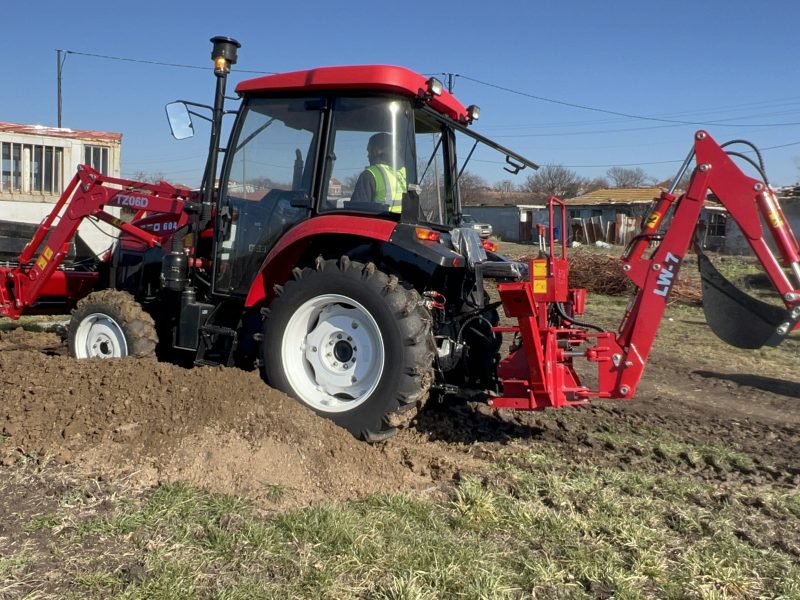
110,324
353,344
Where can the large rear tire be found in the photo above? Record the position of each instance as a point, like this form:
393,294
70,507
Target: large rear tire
110,324
353,344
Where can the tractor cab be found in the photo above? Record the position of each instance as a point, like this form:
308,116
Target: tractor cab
376,142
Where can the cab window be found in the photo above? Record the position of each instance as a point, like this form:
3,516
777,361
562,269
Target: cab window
371,159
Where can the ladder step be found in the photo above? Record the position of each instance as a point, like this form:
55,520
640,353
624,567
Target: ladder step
202,362
218,330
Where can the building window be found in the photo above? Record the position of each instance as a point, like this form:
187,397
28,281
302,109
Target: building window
97,158
45,172
11,180
716,225
31,168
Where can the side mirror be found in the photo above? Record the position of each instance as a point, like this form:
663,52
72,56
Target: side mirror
180,121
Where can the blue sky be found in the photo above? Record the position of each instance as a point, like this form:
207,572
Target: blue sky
730,62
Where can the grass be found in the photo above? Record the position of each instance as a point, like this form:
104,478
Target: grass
530,524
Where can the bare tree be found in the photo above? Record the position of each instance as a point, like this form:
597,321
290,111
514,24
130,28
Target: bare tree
471,185
683,183
553,180
622,177
505,186
598,183
146,177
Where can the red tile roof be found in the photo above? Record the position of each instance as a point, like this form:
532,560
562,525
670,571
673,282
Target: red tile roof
616,196
79,134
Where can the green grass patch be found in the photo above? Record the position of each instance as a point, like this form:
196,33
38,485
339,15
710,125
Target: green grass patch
531,526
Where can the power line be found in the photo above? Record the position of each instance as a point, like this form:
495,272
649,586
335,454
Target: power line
617,113
774,103
154,62
665,162
640,164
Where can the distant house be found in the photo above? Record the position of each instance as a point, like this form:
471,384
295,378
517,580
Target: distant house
610,210
611,215
335,187
37,163
512,215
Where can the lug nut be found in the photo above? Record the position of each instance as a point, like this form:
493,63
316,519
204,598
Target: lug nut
355,325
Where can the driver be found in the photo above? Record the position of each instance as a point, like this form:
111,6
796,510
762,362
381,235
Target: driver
380,182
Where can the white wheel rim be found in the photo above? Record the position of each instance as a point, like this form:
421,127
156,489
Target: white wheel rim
332,353
100,336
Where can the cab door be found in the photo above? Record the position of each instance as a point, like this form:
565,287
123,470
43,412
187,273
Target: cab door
269,185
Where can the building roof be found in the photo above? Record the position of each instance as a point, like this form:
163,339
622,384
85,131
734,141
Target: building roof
616,196
789,192
62,132
495,198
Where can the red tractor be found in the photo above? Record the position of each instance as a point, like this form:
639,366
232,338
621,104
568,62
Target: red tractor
360,291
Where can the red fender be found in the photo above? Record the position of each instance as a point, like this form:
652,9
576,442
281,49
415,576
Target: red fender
283,257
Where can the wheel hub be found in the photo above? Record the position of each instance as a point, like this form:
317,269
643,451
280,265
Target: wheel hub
100,336
341,356
343,351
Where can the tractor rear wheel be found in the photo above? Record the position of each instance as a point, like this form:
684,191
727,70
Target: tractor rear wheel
353,344
110,324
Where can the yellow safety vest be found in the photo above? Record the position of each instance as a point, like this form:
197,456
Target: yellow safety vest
389,185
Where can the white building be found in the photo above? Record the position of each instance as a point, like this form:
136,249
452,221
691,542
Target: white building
37,163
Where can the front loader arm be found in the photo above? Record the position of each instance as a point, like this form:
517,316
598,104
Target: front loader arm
86,196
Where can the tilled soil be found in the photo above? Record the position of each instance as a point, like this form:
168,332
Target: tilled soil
151,422
226,431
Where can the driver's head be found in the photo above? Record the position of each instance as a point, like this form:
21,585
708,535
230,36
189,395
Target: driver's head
379,147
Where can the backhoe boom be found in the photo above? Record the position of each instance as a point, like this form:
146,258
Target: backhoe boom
539,373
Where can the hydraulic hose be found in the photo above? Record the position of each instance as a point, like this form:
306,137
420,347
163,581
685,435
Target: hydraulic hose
573,321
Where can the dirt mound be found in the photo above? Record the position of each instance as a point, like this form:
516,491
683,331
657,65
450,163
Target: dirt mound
222,429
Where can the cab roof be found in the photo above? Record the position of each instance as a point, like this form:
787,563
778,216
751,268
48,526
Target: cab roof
377,78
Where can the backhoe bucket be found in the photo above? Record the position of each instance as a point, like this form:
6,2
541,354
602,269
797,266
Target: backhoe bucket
736,318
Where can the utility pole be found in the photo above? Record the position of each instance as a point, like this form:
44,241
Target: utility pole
59,68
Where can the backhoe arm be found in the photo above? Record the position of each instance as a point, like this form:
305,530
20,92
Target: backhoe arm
732,314
539,372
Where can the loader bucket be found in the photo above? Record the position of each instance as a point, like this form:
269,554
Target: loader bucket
737,318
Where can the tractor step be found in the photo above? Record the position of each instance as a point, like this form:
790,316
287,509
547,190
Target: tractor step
211,336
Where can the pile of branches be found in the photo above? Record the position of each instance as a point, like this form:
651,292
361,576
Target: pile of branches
602,274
